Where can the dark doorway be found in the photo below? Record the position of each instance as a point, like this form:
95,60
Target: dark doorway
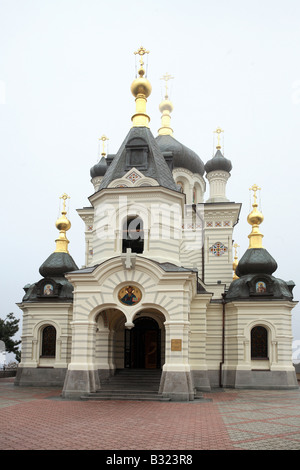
143,345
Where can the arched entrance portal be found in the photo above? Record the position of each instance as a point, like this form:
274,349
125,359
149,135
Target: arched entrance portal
143,345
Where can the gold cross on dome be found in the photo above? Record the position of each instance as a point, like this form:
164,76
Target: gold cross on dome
104,139
254,188
218,131
166,78
141,51
64,197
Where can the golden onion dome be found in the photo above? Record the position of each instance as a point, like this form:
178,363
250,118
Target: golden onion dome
141,86
255,217
63,223
166,105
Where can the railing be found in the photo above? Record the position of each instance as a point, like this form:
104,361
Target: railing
8,371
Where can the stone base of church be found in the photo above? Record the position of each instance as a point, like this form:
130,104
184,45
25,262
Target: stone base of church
105,375
177,385
260,379
201,380
40,377
80,382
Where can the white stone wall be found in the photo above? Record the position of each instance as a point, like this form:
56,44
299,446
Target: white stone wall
275,316
198,355
87,215
167,238
35,317
161,211
219,221
240,317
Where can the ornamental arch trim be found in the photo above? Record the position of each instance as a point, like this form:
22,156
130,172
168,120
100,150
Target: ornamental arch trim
260,322
38,327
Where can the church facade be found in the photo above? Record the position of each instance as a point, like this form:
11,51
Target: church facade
161,288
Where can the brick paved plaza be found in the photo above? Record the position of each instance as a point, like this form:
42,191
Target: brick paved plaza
39,419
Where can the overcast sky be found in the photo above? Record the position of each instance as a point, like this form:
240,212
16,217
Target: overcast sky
66,67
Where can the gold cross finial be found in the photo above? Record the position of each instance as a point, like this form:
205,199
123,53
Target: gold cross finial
235,246
166,78
104,139
62,224
254,188
218,131
141,52
255,218
64,197
235,262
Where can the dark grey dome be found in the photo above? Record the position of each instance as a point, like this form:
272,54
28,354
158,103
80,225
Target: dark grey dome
53,270
256,261
218,162
183,157
57,264
99,169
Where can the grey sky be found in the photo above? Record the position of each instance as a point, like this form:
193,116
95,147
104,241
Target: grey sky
65,72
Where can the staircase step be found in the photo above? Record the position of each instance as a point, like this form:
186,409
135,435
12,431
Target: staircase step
124,397
128,391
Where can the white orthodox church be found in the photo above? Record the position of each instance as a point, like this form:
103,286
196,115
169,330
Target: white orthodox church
161,292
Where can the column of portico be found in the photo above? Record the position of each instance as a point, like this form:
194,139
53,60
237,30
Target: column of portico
112,365
82,375
197,354
176,381
102,360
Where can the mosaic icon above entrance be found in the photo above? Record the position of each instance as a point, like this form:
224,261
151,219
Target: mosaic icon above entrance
129,295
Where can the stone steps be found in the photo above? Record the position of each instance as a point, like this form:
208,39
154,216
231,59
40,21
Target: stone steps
132,384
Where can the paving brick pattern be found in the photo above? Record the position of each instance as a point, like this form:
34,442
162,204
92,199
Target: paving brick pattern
39,419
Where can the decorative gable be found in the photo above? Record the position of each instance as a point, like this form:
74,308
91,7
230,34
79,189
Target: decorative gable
133,178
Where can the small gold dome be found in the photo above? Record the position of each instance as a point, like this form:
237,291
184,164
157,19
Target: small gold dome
255,217
166,105
63,223
141,86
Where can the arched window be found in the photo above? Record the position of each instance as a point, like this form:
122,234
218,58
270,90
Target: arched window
48,341
133,235
259,343
181,185
194,195
197,193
